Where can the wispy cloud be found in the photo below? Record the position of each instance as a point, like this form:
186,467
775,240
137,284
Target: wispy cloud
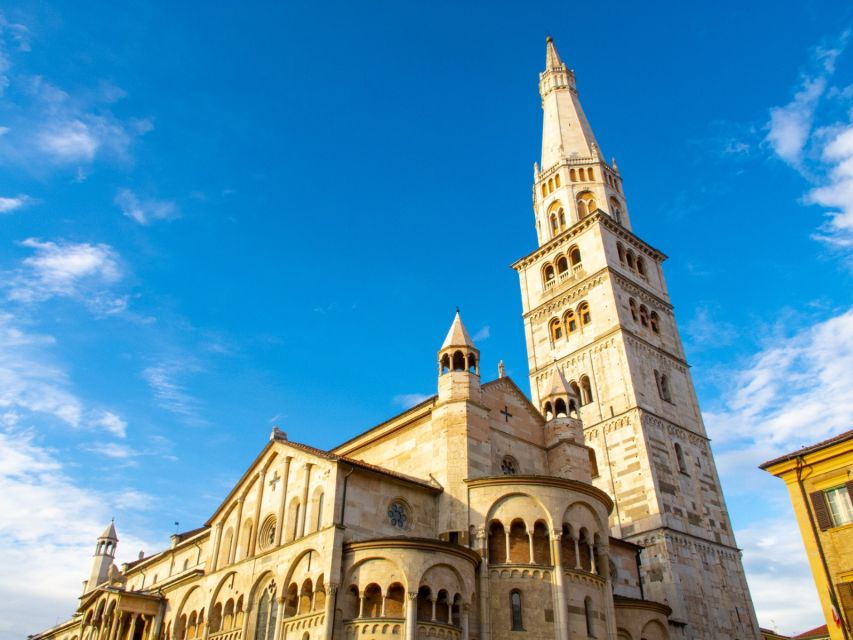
145,211
8,205
796,391
409,400
112,423
171,395
67,269
482,334
47,533
47,127
821,149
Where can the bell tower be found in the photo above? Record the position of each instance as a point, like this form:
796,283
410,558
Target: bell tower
105,553
597,315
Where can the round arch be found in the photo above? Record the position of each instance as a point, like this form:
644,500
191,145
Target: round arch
492,513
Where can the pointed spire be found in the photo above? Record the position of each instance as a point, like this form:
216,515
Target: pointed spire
552,58
110,532
458,334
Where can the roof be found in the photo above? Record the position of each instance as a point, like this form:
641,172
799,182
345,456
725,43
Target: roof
639,602
841,437
110,532
817,632
457,336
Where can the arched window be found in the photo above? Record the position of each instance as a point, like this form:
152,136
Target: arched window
515,607
560,408
584,313
641,266
541,543
571,322
509,466
644,315
557,180
587,608
664,388
616,210
586,204
291,601
519,542
550,185
654,321
555,224
544,189
548,273
445,363
621,251
458,361
372,601
629,258
582,174
555,329
632,304
679,456
318,512
573,408
497,543
267,614
306,594
472,363
548,411
590,174
575,256
573,176
586,390
576,390
562,264
593,462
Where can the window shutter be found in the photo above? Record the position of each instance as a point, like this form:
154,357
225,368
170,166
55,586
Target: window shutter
821,510
850,490
845,592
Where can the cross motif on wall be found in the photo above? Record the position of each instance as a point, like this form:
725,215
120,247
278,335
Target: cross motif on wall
506,414
274,481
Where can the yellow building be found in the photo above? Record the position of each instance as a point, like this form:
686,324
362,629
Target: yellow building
820,480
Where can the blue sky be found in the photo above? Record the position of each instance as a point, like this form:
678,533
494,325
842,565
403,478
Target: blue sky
216,219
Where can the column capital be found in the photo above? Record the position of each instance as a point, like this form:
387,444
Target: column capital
412,595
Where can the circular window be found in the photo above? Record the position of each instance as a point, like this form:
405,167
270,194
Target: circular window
266,537
398,514
509,466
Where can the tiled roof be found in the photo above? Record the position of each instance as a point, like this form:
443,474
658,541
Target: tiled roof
808,449
817,632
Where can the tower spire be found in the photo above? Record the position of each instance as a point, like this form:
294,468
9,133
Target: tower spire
566,132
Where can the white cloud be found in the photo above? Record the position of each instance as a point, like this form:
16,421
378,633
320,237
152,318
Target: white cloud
47,533
7,205
112,423
145,211
70,141
796,391
80,270
170,394
34,382
482,334
112,450
409,400
821,152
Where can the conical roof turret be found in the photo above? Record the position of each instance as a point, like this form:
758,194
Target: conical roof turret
557,385
109,533
458,335
552,58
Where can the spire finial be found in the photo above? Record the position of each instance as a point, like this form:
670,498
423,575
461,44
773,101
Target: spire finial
552,58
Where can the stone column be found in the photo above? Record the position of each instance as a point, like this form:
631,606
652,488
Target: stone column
279,529
577,553
592,558
280,620
433,599
114,626
560,605
256,526
463,615
530,544
303,513
217,540
450,613
506,535
411,615
484,584
235,541
382,608
361,604
246,617
132,630
331,597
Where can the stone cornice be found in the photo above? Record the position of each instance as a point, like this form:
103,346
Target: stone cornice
620,420
569,293
688,539
548,481
417,544
579,227
622,602
642,292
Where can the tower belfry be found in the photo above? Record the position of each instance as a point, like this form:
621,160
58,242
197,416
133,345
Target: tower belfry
597,314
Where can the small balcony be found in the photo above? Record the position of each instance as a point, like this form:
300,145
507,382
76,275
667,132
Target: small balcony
438,630
304,621
230,634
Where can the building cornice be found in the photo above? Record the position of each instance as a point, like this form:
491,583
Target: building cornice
417,544
547,481
623,602
579,227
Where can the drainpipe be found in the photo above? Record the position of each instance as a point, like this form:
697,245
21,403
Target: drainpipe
640,572
801,463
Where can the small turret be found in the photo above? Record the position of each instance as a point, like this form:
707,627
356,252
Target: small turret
560,400
458,364
105,553
568,455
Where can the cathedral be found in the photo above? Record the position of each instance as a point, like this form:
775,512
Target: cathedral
591,509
